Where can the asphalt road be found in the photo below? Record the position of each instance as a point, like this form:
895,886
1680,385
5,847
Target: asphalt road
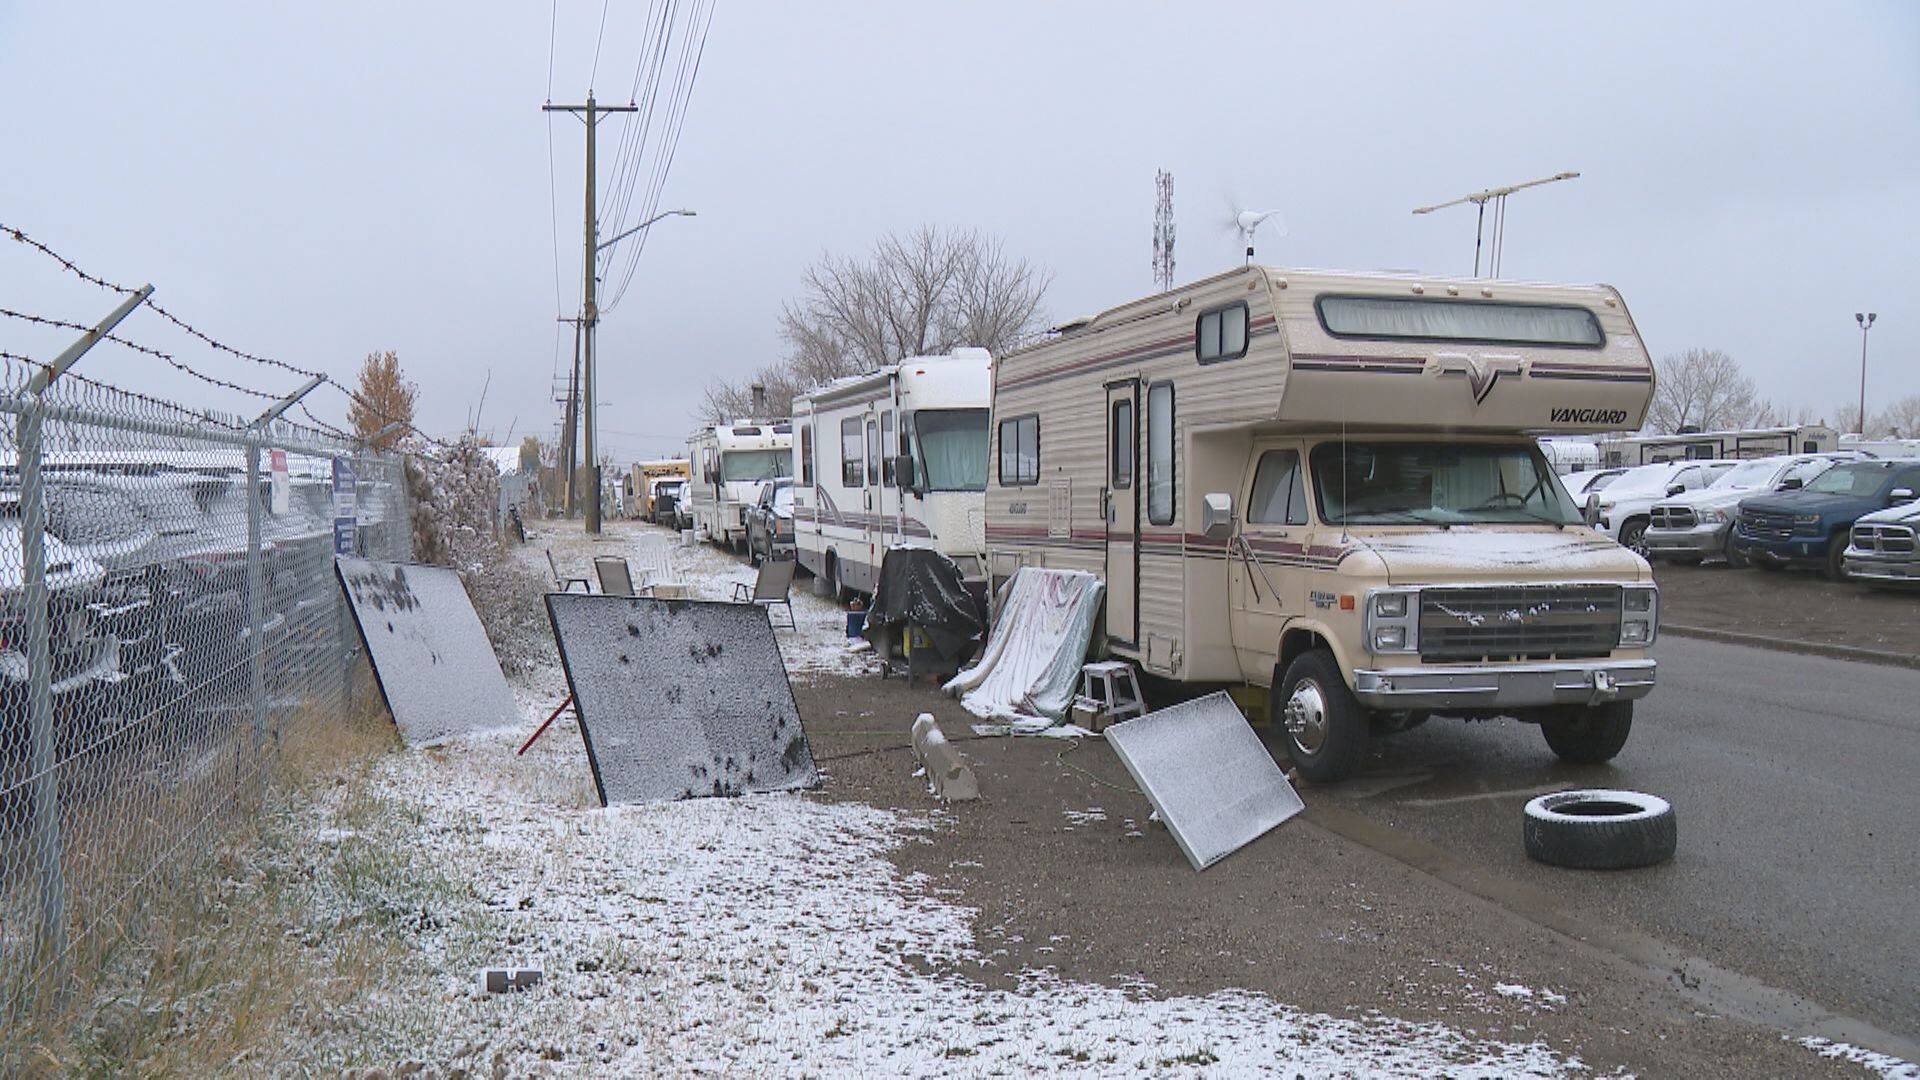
1794,781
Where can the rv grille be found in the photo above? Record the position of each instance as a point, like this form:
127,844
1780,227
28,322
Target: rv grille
1673,517
1756,525
1519,622
1884,539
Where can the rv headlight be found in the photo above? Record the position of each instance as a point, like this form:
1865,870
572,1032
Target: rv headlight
1639,614
1390,624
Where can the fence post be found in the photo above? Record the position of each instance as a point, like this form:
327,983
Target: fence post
45,782
256,594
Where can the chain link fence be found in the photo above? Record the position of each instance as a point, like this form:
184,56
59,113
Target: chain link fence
167,607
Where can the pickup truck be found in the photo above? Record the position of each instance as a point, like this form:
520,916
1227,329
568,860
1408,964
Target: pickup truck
1695,525
1811,526
1883,552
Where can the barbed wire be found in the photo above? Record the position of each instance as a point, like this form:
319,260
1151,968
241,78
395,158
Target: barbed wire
135,395
175,362
354,396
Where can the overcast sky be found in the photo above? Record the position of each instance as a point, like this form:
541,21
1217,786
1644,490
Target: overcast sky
318,182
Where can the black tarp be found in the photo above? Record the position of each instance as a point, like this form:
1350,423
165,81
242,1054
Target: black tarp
924,589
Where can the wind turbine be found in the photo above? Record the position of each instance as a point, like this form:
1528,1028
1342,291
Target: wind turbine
1248,221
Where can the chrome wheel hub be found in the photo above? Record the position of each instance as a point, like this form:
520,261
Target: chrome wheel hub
1306,716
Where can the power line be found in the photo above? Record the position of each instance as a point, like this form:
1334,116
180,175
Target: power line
598,38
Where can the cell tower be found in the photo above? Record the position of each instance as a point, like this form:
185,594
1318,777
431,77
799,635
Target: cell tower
1163,230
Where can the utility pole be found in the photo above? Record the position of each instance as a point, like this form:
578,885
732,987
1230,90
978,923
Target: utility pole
569,433
591,113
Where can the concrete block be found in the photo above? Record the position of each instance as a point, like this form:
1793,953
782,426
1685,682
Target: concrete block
951,778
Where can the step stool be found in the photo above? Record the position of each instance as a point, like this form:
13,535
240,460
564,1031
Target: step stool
1110,685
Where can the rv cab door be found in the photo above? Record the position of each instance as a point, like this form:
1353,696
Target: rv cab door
1120,504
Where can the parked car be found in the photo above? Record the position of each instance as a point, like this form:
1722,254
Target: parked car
1626,505
1882,552
85,658
1694,525
1582,484
1811,526
770,523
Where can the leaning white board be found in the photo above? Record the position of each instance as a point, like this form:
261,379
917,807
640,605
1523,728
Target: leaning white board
430,654
1207,773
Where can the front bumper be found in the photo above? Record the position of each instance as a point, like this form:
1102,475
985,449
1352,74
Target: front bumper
1700,540
1894,569
1798,549
1504,686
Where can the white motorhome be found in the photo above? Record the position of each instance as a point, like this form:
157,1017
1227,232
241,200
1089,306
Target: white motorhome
896,456
1328,484
1744,444
730,463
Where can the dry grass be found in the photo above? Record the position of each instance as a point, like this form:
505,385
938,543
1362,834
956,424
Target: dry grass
224,953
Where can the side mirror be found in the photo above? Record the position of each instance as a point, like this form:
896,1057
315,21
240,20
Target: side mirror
1899,495
903,473
1591,513
1676,489
1792,483
1216,515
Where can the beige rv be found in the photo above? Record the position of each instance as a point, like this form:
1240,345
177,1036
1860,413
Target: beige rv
1328,484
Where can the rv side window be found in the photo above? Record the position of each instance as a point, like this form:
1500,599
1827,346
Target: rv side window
1020,451
886,446
1221,334
1160,453
1279,494
850,445
873,454
1121,438
806,454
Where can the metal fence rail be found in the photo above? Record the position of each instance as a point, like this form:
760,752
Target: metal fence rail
167,608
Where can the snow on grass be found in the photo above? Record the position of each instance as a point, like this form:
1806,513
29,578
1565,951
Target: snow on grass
1886,1065
755,936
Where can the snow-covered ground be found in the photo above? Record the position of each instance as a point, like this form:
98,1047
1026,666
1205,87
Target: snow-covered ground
767,935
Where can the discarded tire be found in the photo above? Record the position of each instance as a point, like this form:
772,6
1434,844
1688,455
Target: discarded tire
1600,830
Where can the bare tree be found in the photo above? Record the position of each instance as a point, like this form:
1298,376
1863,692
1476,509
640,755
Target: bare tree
1901,420
1702,390
925,293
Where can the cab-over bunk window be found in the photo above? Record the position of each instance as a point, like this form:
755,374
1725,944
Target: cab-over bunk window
1486,321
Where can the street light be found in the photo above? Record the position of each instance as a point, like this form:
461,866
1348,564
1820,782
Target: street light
1866,324
591,317
1498,197
665,214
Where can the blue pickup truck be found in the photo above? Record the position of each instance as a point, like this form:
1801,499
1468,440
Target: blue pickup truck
1809,526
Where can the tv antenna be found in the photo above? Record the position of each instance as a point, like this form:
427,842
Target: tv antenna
1498,197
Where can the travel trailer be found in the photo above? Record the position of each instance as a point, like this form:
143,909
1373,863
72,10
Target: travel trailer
1329,484
1744,444
896,456
730,463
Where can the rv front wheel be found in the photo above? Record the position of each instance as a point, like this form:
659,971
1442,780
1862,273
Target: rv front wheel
1315,715
1589,735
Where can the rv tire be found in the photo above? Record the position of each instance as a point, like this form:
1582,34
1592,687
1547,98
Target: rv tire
1317,719
835,591
1589,735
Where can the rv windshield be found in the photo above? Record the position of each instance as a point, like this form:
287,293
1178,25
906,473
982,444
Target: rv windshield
755,464
953,448
1439,483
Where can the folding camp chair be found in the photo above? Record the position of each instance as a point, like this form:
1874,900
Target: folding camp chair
565,584
615,578
769,589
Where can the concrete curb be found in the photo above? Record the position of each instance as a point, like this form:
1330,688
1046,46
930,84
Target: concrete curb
951,778
1811,648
